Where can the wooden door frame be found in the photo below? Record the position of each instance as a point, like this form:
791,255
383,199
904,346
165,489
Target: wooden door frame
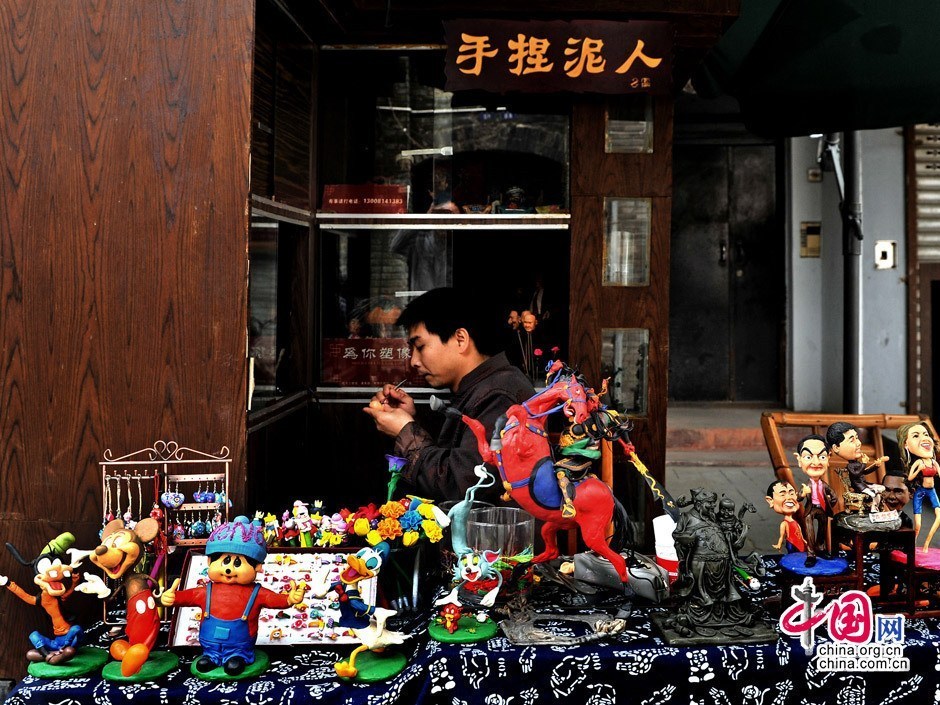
920,276
596,175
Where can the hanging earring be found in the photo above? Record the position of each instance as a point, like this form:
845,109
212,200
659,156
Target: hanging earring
108,514
117,482
140,498
179,532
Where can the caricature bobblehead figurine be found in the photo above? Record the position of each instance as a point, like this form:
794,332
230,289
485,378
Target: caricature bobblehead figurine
819,501
781,497
843,441
231,602
917,447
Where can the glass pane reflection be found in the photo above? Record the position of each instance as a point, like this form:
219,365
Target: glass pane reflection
625,360
626,241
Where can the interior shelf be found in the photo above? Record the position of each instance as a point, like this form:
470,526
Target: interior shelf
437,221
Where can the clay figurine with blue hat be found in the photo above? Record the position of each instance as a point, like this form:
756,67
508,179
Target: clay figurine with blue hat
231,602
366,621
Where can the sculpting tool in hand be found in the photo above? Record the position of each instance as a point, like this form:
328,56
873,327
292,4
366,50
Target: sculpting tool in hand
397,386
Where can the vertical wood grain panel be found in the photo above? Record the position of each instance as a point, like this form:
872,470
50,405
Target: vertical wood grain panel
596,175
124,141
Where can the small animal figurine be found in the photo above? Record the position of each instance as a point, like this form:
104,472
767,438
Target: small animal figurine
56,581
477,575
366,621
120,551
474,570
449,617
519,448
231,602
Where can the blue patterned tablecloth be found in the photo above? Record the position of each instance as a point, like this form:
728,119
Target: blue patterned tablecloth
636,668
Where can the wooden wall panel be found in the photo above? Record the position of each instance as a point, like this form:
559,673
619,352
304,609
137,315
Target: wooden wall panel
124,157
596,175
292,126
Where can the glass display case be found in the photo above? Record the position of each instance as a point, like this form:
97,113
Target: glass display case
372,267
425,188
276,244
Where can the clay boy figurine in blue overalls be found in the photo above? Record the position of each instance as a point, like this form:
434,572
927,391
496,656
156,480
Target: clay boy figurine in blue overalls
231,601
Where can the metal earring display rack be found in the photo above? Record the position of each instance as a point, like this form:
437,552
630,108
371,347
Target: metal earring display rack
166,464
188,471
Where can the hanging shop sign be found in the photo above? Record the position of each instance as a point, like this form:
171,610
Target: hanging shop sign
594,56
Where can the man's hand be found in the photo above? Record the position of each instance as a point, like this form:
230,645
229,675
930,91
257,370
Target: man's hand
392,409
393,397
168,597
389,421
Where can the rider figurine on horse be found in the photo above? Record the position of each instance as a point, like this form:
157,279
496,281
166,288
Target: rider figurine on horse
521,452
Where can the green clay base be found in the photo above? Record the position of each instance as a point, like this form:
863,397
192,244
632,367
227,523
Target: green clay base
157,665
252,670
469,631
86,660
375,667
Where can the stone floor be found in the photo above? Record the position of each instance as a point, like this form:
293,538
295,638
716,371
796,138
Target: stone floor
720,447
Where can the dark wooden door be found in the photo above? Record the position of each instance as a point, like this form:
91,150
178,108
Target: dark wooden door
727,274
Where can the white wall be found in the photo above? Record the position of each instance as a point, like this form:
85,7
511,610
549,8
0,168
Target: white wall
815,286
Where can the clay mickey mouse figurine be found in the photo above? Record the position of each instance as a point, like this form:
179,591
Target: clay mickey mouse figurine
231,602
120,551
56,581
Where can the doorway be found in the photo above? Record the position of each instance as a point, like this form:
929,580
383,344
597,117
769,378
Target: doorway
727,271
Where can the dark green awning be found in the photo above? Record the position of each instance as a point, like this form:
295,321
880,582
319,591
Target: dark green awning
806,66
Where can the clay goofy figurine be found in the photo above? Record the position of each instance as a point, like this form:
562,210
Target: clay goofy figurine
366,621
917,448
120,551
231,602
56,581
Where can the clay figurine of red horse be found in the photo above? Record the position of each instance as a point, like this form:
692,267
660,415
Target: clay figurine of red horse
520,449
